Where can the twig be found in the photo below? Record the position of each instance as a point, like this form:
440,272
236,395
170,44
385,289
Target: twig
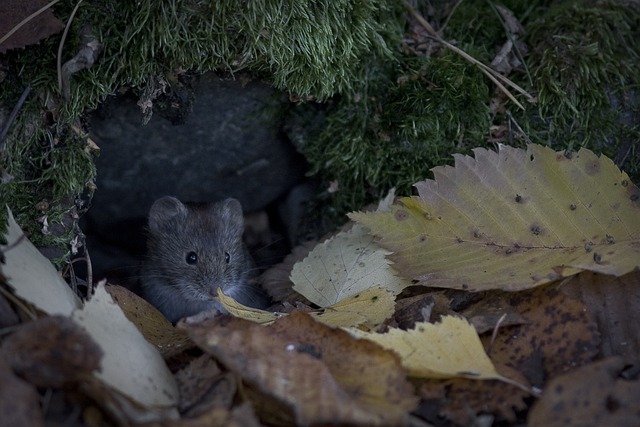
13,115
488,71
27,19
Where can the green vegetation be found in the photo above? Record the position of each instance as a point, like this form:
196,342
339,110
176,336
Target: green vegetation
385,111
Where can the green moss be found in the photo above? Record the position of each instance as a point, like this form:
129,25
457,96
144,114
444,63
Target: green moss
585,64
307,48
402,121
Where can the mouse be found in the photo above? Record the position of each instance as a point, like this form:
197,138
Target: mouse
192,251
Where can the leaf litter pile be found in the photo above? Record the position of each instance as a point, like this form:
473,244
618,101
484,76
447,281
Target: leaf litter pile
507,292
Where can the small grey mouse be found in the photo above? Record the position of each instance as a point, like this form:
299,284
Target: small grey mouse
192,250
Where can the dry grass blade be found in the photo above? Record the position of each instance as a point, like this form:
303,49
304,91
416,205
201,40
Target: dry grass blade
488,71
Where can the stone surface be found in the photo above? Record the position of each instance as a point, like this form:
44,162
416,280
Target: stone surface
230,145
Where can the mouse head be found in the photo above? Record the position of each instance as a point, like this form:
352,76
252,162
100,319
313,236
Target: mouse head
198,248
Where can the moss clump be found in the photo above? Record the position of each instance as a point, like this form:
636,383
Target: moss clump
308,48
585,63
402,121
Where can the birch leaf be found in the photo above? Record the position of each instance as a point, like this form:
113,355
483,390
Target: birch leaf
33,277
448,349
370,308
514,219
343,266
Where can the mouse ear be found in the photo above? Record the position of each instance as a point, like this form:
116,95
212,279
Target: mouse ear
231,212
165,211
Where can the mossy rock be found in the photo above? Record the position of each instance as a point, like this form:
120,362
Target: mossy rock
381,114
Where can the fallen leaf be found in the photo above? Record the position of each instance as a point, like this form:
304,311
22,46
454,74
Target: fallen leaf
493,310
33,277
203,385
559,335
615,304
462,400
51,352
12,12
150,322
19,400
591,396
513,220
343,266
302,372
447,349
130,364
369,308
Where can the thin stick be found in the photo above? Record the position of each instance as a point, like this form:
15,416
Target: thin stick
488,71
27,19
61,45
13,115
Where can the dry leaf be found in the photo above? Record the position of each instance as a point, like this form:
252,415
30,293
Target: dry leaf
447,349
615,304
150,322
559,335
300,371
591,396
19,400
130,364
51,352
493,310
33,277
12,12
513,220
369,308
462,400
343,266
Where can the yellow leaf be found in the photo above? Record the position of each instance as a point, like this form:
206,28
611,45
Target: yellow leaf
369,308
344,266
451,348
514,219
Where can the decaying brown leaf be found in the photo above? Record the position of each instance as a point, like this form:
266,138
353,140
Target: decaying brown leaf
19,400
300,371
493,310
51,352
559,335
592,396
615,303
461,400
203,385
150,322
12,12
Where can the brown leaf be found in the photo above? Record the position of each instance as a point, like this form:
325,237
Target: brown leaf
615,303
12,12
591,396
485,314
19,400
461,400
558,329
52,351
276,282
203,385
152,324
302,372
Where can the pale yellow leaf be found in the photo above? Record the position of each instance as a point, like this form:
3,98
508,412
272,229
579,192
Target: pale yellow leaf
33,277
248,313
130,364
514,219
448,349
343,266
369,308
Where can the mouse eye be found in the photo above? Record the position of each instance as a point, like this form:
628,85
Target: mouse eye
191,258
227,257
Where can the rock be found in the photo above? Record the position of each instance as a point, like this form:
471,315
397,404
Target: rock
231,145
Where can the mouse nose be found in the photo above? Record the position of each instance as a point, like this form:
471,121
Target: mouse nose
213,290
